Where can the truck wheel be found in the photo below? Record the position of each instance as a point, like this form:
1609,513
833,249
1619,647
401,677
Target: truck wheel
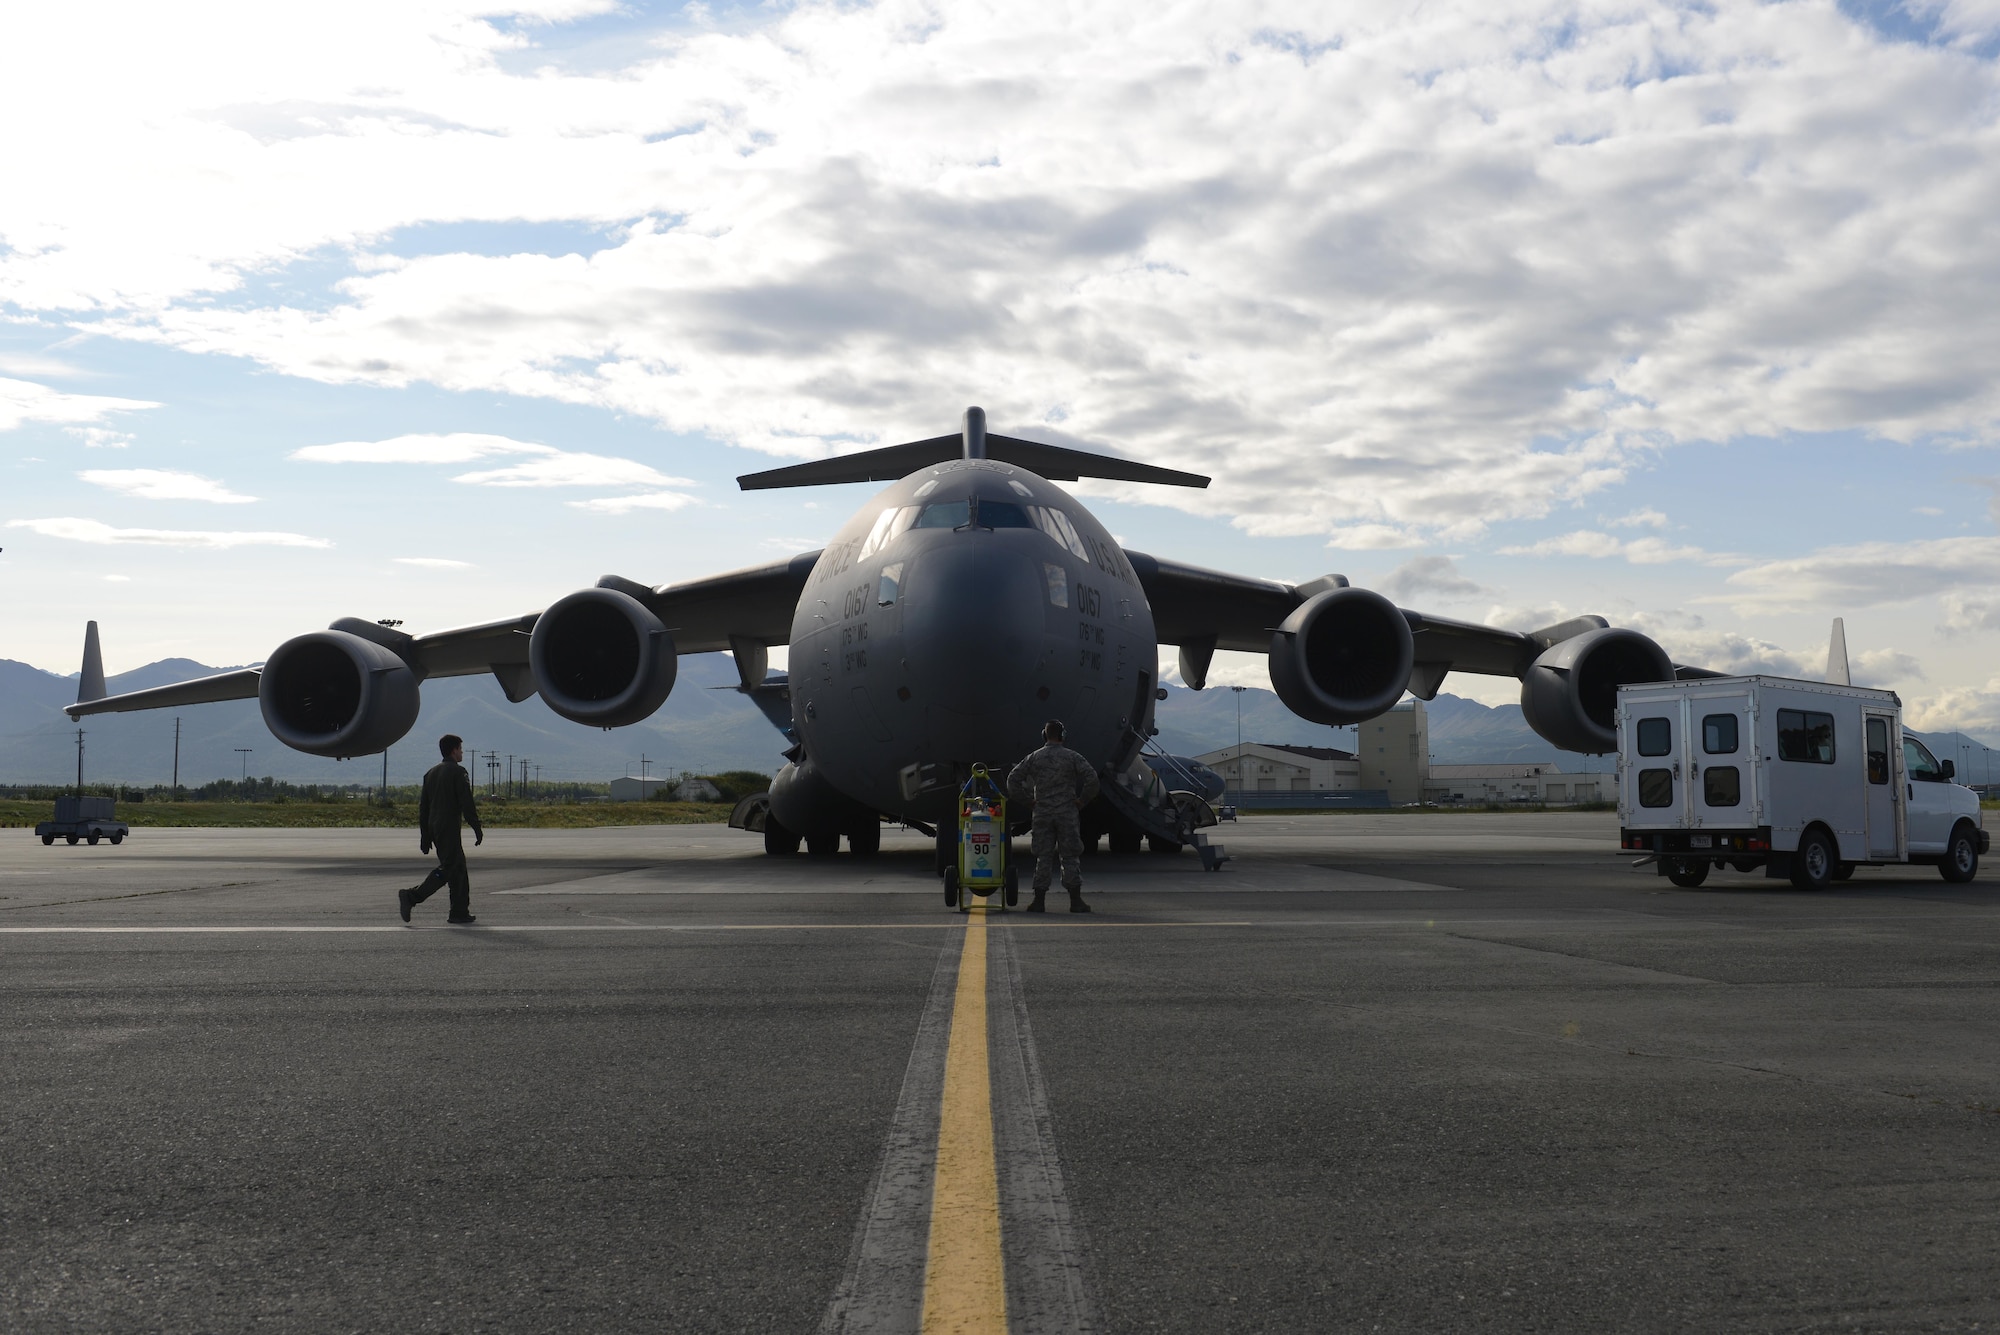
1813,864
1961,856
117,838
951,887
72,840
1844,872
779,842
1687,873
94,837
48,838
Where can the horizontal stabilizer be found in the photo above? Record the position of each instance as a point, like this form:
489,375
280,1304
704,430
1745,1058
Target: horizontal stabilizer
896,462
238,685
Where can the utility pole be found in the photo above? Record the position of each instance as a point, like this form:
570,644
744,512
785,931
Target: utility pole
177,757
79,762
492,773
244,751
1239,741
510,774
385,776
643,762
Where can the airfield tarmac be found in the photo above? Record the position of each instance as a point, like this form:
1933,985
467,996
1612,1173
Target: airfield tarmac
1400,1072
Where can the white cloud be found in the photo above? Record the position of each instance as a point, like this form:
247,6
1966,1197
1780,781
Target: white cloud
1381,270
1970,709
546,466
559,468
158,484
117,579
100,437
650,500
1368,538
434,563
1867,574
1599,546
1429,576
25,401
793,545
458,447
1642,518
94,531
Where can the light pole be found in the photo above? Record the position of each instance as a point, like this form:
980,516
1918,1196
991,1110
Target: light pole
79,762
177,757
244,751
1239,742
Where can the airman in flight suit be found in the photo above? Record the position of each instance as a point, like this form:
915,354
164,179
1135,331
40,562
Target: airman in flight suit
447,800
1060,783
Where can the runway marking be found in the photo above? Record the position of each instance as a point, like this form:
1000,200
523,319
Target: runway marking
965,1286
590,927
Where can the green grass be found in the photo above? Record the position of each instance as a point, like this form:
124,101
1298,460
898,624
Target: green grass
494,814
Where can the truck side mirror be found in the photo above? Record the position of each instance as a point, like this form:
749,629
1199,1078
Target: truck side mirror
1949,768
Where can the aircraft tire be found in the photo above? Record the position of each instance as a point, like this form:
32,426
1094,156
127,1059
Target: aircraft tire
865,841
822,845
779,842
1125,841
1687,873
1961,856
1813,864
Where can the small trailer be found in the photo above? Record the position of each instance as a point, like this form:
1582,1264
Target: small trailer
1799,779
90,818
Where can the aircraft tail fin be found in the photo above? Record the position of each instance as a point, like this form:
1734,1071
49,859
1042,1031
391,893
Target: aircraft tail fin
894,462
1836,655
90,683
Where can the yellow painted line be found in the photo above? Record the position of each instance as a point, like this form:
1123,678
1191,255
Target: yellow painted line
965,1289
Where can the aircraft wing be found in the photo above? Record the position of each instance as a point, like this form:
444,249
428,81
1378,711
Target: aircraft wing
1205,610
752,606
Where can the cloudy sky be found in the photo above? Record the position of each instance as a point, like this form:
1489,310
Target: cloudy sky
1688,315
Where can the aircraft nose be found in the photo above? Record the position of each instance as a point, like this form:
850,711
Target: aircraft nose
974,621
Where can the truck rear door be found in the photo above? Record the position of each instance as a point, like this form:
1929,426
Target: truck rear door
1721,778
1655,764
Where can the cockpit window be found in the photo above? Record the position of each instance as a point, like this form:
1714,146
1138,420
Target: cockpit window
945,514
1002,514
1058,526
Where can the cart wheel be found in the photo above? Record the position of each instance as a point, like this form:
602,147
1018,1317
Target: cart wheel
48,838
94,837
72,840
1687,873
1961,856
117,838
1011,880
1812,865
951,887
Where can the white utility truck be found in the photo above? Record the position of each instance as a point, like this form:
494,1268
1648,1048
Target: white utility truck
1806,779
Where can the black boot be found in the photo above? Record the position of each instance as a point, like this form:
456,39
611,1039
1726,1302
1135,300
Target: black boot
1039,904
1076,904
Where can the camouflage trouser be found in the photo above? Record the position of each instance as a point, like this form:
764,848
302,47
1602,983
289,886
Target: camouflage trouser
1055,836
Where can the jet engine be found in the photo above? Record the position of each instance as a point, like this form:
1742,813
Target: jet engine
1570,695
1342,656
601,658
330,693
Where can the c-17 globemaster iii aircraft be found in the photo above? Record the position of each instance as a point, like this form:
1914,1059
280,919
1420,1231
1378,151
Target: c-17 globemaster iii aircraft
946,620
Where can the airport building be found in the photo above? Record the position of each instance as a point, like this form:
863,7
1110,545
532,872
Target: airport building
632,788
1393,759
1523,785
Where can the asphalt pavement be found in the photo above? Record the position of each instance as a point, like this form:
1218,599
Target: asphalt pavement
1398,1072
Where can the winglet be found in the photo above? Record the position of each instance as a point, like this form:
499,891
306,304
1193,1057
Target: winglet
90,683
1836,655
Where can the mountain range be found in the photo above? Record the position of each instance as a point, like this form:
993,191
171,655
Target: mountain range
705,727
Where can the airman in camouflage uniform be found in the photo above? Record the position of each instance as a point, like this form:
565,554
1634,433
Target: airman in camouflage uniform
1060,783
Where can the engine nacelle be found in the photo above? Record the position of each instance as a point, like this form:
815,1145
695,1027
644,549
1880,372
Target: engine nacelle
601,658
1342,656
1570,695
330,693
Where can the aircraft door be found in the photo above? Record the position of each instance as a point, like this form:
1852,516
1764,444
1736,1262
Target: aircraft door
1885,795
1718,777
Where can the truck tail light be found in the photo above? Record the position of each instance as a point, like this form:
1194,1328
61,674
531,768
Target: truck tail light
1757,845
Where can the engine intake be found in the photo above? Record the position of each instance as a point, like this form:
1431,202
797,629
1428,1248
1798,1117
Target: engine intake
330,693
1570,694
1342,656
601,658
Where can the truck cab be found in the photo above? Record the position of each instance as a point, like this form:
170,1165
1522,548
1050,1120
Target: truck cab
1797,779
